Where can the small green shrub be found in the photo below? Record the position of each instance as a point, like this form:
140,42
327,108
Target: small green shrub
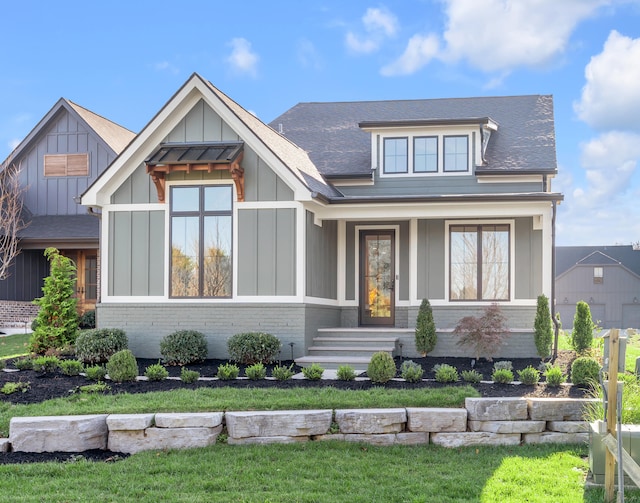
529,375
472,376
256,372
503,364
543,327
411,371
582,334
502,376
87,320
47,364
122,366
381,368
183,347
95,372
346,373
425,335
99,387
585,370
446,373
189,376
253,347
228,372
25,363
156,372
98,345
13,387
313,372
282,373
554,376
71,367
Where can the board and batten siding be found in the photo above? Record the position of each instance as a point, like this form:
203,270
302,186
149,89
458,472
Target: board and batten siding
203,124
528,260
136,253
321,258
266,252
431,259
53,195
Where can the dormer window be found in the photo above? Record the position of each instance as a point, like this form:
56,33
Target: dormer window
429,147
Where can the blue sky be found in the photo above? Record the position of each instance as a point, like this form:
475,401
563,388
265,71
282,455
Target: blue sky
125,59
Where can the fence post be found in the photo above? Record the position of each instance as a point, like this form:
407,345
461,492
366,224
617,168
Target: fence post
612,406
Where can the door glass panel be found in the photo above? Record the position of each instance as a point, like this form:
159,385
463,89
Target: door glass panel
91,277
378,278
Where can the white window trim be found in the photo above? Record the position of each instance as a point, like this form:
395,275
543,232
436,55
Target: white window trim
377,151
447,259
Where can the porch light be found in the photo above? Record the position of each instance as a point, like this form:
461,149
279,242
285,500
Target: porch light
291,344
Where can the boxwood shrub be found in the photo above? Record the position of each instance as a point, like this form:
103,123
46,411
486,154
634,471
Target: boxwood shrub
122,366
183,347
97,345
585,370
253,347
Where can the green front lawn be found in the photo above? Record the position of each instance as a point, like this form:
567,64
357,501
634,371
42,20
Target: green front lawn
14,345
315,472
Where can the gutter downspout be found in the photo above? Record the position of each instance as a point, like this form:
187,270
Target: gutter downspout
556,324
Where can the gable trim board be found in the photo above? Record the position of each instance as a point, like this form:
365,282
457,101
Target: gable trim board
295,263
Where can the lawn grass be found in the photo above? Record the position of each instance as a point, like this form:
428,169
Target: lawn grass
14,345
224,399
316,472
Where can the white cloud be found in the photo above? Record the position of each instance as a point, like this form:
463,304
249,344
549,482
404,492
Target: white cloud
379,24
601,210
242,58
419,52
611,96
308,55
165,66
496,35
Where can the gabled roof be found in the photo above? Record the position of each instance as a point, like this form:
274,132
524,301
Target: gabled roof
568,257
293,162
329,132
114,136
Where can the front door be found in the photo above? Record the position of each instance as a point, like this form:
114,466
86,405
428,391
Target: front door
86,278
377,277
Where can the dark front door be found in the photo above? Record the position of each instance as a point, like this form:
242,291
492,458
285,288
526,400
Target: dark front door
377,277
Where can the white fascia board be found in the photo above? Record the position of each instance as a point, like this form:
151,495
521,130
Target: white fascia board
301,192
449,210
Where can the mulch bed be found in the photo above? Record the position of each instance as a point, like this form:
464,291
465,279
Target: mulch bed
47,386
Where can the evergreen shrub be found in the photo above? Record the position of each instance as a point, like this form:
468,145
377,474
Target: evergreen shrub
183,347
381,368
585,370
253,347
99,344
122,366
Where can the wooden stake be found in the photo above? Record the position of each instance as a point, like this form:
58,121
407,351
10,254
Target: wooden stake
612,407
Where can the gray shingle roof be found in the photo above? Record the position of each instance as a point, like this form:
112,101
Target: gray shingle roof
569,256
62,228
329,132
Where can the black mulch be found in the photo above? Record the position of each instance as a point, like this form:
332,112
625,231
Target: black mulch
46,386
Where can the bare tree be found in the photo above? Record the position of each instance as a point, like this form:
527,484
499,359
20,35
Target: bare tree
11,220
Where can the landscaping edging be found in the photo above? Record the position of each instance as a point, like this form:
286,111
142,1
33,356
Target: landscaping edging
483,421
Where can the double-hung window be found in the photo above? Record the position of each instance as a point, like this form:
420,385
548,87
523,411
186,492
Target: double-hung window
479,262
201,238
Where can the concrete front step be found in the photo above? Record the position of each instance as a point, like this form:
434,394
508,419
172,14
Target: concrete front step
333,362
349,350
350,341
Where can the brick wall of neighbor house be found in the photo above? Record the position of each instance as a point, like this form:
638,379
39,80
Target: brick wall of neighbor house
17,314
146,324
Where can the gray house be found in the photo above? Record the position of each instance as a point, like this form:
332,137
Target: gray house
61,156
328,227
605,277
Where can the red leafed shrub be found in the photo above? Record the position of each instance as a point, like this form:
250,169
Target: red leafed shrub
483,334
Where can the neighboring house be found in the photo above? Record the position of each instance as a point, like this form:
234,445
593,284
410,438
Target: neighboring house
63,154
339,216
605,277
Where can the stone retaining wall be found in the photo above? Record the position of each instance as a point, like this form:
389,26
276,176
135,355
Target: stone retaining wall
483,421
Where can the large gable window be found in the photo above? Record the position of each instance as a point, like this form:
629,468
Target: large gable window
201,237
66,165
456,153
479,262
395,155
